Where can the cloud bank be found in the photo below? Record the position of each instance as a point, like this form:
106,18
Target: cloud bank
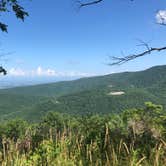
41,72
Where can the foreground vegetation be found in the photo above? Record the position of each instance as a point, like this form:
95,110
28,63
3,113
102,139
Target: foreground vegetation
133,138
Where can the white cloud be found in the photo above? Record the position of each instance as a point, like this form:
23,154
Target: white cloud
40,72
44,72
161,17
16,72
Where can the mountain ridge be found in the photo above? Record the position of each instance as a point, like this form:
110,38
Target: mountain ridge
100,94
66,87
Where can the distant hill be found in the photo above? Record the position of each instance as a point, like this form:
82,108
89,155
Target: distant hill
102,94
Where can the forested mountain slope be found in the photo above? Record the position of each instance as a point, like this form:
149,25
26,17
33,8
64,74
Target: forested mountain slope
141,79
102,94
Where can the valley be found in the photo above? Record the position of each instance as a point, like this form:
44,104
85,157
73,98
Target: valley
102,94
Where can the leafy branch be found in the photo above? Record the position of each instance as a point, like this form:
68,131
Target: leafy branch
11,5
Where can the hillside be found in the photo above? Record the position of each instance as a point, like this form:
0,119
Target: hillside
102,94
141,79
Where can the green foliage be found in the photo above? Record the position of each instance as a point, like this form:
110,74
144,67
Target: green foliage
134,137
15,129
14,6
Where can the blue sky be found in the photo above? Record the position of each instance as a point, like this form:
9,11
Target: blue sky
57,38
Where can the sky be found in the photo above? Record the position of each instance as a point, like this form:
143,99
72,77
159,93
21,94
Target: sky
59,40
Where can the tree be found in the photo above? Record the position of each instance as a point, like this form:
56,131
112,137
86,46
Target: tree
148,49
7,6
2,70
14,6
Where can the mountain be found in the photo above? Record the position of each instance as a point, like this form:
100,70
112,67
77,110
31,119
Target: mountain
102,94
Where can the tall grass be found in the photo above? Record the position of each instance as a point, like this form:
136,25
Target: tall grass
68,148
137,137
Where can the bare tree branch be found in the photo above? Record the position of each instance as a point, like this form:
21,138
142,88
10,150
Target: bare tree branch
121,60
124,59
81,4
94,2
